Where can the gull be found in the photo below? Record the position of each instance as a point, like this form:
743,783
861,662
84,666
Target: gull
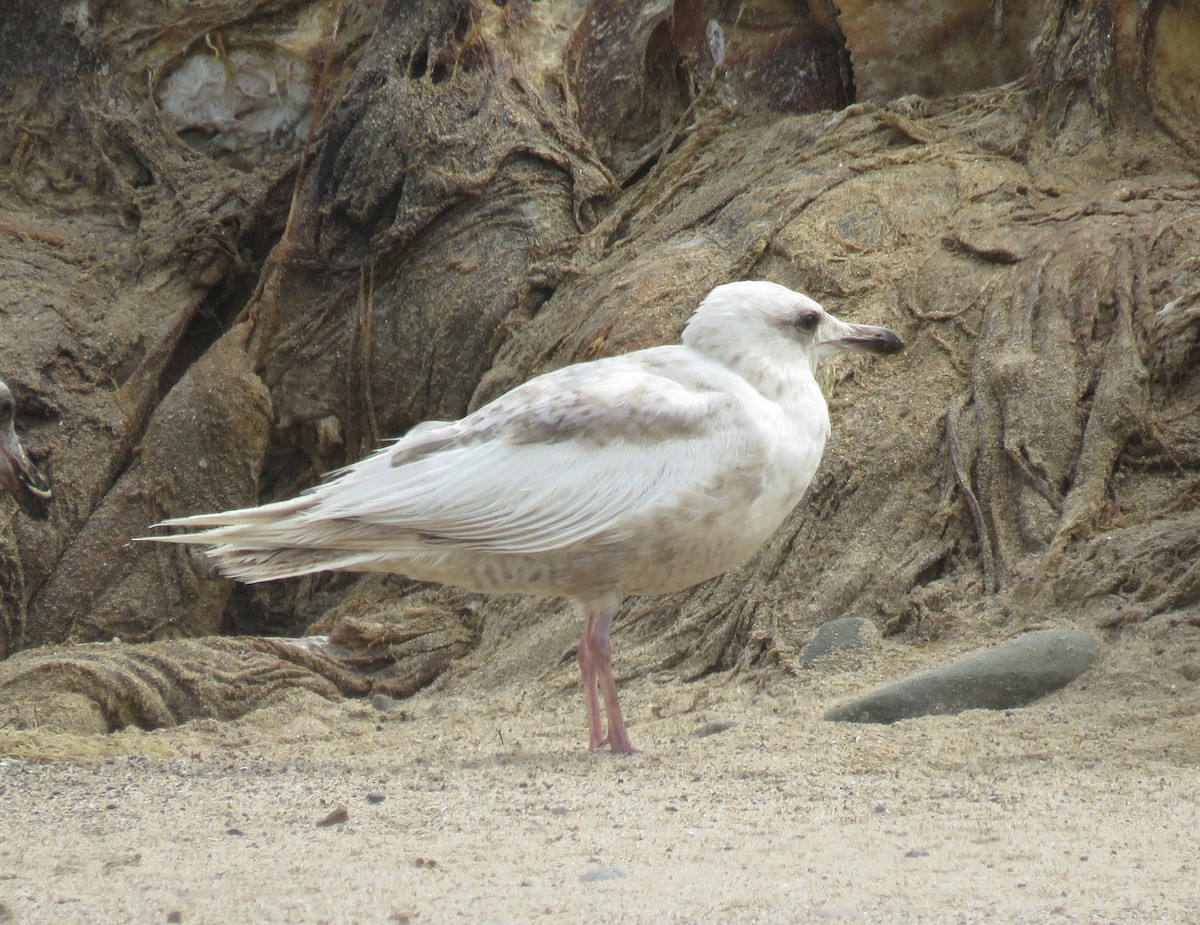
643,473
18,476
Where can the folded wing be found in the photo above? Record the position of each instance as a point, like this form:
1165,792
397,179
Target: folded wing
571,456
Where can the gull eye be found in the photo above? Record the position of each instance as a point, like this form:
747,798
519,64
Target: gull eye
807,321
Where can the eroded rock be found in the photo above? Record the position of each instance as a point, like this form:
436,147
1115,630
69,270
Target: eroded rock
1014,675
840,641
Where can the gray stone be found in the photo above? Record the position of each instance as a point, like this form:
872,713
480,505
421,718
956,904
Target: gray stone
837,638
1029,667
597,874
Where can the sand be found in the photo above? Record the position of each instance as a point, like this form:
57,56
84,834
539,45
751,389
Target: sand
474,802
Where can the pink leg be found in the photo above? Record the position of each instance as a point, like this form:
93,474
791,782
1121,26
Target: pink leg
599,648
587,666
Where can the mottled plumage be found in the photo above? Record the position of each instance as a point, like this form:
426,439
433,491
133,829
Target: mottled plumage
637,474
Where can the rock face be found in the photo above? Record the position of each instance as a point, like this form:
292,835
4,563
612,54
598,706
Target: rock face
205,441
1032,666
839,642
928,47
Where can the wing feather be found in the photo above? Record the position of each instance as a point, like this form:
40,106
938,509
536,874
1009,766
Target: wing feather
582,453
552,463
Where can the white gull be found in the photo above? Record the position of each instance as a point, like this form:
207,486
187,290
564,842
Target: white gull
637,474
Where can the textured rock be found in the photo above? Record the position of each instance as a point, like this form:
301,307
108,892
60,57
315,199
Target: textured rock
716,726
837,639
932,48
1010,676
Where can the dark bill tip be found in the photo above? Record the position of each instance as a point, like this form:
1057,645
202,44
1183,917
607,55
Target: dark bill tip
868,337
28,487
35,505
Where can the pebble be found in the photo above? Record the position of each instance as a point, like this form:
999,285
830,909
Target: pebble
1029,667
602,873
337,816
838,639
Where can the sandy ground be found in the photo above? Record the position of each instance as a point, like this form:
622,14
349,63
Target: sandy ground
1081,808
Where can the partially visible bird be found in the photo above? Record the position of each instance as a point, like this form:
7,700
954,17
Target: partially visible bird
18,476
637,474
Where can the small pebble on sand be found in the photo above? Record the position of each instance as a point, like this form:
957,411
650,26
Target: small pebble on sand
336,816
602,873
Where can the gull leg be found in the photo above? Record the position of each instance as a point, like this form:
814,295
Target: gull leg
600,650
587,667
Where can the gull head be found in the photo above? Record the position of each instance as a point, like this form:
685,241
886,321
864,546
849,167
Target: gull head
18,476
760,326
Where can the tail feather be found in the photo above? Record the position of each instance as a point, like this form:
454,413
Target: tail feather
334,536
277,541
268,513
257,565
